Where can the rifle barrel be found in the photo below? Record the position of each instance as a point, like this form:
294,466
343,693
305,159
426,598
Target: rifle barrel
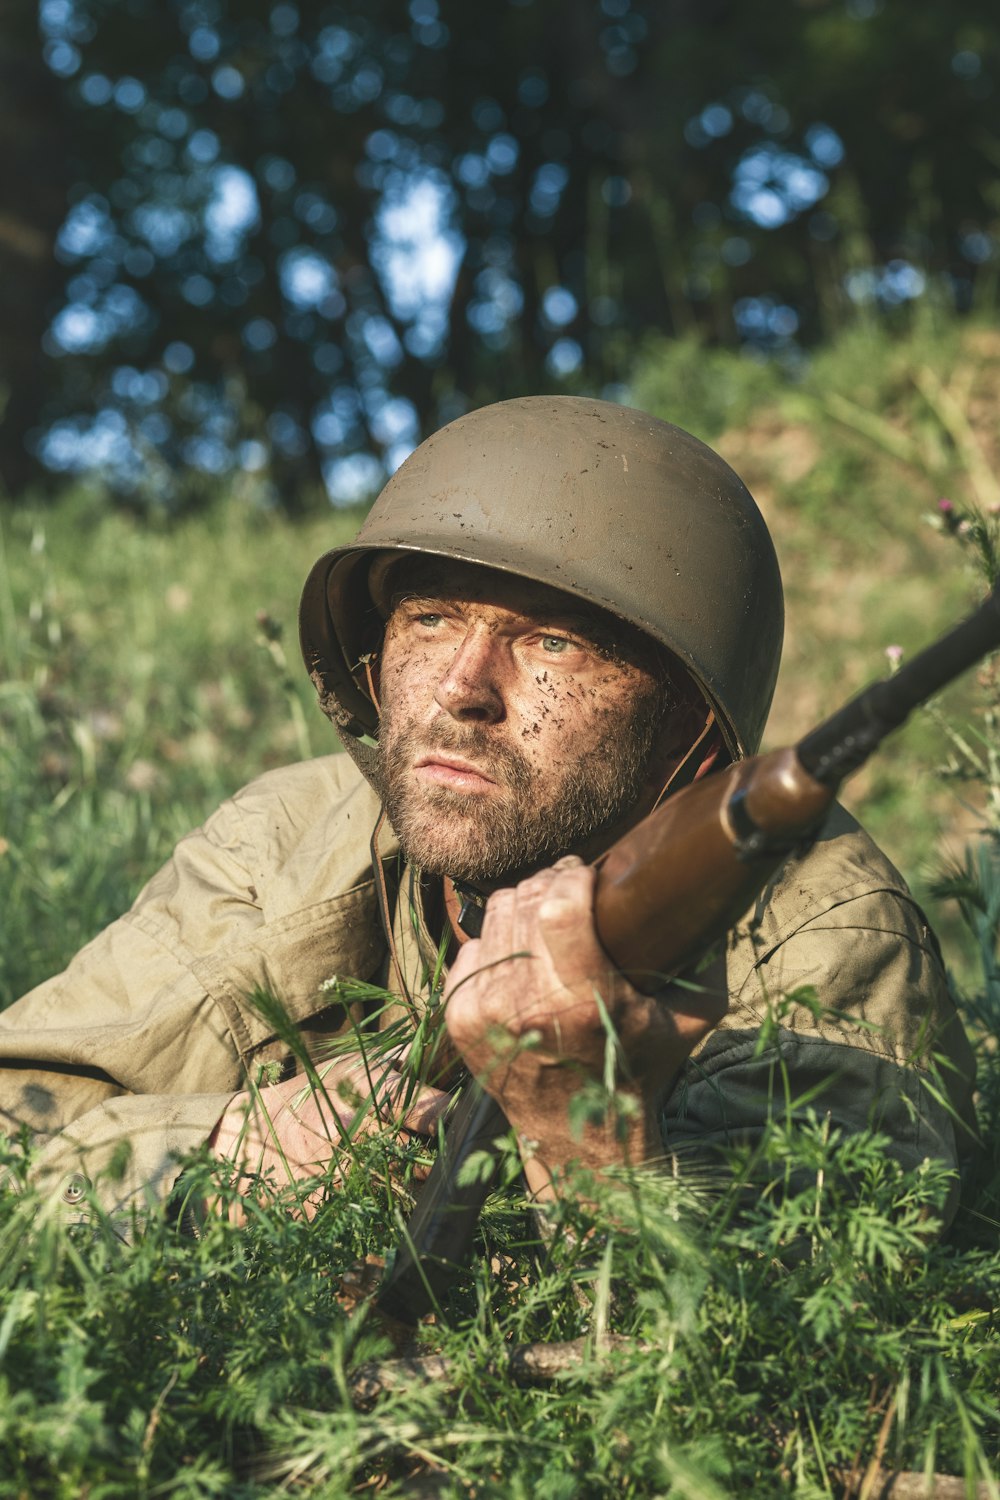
843,742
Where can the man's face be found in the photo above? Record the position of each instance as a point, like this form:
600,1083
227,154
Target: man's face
514,726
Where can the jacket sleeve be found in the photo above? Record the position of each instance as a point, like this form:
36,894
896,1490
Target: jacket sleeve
850,1016
123,1063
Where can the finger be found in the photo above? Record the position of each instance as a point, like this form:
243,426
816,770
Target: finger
534,887
390,1099
425,1110
564,914
504,903
510,914
499,915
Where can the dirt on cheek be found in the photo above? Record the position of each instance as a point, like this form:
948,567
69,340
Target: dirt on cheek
401,663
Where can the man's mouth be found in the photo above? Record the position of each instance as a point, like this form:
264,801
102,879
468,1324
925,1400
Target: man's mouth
442,769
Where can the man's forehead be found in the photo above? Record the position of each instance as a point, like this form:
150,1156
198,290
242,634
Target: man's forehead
447,578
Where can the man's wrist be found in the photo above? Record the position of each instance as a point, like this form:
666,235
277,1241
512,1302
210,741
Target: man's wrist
627,1133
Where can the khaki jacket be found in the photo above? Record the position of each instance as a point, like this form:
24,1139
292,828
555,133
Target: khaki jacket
146,1036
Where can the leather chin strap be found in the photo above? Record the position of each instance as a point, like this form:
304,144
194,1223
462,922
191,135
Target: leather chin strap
698,771
368,660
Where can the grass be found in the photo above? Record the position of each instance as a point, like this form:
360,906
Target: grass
145,674
762,1350
758,1354
849,461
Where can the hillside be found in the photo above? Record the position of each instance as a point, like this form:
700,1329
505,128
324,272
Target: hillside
793,1328
850,463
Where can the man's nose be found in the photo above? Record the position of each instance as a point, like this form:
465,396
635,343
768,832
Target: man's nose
470,687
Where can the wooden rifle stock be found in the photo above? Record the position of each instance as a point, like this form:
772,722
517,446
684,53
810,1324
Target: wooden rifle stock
666,893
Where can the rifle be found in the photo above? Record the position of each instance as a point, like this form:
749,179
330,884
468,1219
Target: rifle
666,892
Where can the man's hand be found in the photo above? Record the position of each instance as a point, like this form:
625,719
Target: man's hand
524,1008
292,1132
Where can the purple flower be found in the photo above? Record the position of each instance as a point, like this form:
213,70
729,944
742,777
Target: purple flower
895,655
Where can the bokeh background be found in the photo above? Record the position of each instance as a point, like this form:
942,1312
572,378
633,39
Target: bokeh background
286,240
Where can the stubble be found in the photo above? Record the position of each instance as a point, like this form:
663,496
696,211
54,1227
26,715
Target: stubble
534,816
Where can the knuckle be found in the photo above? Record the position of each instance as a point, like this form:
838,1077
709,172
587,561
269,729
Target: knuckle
558,911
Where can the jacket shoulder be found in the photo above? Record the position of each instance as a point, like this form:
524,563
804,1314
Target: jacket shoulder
301,831
298,785
843,865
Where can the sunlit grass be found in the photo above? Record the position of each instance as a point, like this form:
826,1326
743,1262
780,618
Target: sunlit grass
137,689
767,1344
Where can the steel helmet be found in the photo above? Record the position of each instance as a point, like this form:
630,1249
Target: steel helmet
601,501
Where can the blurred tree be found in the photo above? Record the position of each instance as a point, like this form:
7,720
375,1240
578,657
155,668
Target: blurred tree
296,237
34,182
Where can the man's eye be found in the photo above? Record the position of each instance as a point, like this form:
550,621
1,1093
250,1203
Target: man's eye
555,645
429,620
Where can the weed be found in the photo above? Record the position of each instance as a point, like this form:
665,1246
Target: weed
726,1337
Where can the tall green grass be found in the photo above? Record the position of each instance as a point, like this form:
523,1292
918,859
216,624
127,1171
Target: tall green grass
721,1350
766,1341
145,673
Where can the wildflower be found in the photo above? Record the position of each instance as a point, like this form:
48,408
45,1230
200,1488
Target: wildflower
270,628
948,515
894,655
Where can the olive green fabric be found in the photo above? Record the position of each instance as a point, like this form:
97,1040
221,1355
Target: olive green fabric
152,1028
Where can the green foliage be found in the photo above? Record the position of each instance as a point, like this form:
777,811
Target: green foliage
703,389
142,679
764,1343
781,1320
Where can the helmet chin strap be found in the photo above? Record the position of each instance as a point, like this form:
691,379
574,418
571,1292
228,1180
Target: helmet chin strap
702,768
369,660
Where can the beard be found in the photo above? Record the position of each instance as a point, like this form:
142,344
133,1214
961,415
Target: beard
535,816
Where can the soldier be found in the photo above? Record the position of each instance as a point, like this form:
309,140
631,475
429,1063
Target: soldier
557,611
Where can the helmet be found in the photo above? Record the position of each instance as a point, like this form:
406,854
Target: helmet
606,503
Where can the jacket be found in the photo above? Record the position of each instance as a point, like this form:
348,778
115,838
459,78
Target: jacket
127,1059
